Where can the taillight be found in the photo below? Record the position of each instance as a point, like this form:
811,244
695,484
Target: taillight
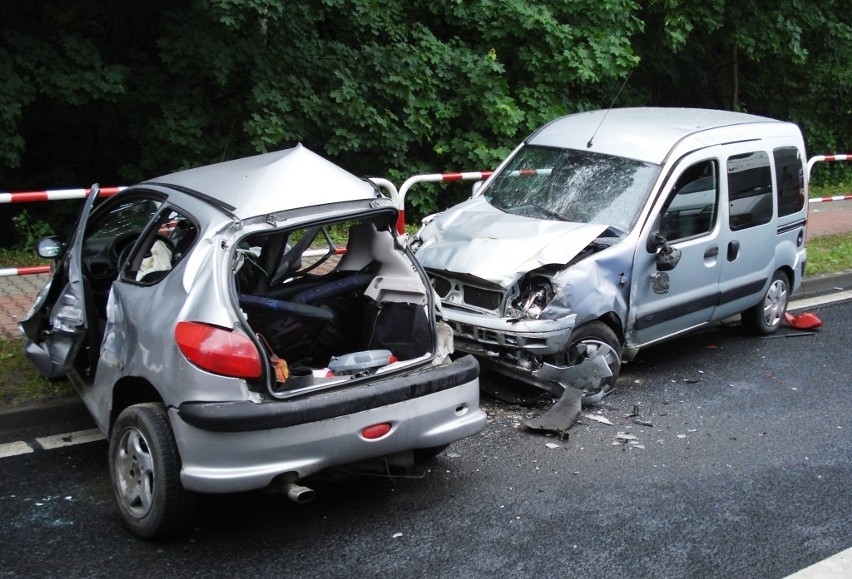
376,431
218,350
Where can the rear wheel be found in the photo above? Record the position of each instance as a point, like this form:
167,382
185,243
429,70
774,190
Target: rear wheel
766,317
145,470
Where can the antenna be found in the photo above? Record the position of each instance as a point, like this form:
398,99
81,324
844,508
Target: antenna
231,132
589,144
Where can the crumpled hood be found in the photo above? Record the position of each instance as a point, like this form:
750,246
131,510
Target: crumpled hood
477,239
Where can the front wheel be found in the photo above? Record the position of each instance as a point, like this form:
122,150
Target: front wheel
145,470
591,340
765,317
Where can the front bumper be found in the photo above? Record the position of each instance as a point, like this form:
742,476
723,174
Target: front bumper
479,333
220,454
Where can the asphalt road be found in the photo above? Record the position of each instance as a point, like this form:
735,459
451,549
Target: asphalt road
744,473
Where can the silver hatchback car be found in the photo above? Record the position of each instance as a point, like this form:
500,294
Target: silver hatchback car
608,231
243,326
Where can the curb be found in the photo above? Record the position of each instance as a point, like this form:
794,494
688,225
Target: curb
824,283
27,415
38,414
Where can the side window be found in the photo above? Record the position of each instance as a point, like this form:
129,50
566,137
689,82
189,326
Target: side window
164,245
749,190
693,204
789,178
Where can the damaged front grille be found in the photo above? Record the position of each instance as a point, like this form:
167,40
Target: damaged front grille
481,298
462,293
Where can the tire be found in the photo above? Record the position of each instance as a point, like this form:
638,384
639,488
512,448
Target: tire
766,317
590,339
145,469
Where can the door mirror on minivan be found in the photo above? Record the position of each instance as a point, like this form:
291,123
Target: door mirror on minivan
667,256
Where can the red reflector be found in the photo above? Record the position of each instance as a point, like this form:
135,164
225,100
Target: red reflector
218,350
376,431
400,221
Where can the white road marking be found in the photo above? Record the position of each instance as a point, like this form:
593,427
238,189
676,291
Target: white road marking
819,300
14,449
51,442
837,566
70,439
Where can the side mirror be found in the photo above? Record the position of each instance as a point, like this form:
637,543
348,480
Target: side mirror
476,188
49,247
667,256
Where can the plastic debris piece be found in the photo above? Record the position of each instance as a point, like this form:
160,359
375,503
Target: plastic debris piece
623,436
551,445
805,321
643,422
598,418
397,535
681,436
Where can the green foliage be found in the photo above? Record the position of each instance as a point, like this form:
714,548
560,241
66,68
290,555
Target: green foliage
29,230
126,91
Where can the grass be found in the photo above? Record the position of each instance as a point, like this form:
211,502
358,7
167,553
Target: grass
830,254
21,382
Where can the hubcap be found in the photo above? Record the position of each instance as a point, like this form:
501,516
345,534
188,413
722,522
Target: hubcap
775,303
134,472
591,348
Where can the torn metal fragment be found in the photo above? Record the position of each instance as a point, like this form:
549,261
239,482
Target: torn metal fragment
561,416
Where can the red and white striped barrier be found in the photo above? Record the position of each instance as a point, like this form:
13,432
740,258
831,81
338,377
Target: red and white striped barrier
56,195
827,199
432,178
828,158
398,196
8,271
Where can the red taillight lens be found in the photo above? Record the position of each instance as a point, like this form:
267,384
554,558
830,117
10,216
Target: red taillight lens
218,350
376,431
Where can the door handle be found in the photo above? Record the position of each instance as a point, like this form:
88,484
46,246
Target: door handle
711,251
733,250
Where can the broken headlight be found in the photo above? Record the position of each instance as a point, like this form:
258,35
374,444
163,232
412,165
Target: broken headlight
534,293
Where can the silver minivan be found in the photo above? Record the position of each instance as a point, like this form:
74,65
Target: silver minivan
608,231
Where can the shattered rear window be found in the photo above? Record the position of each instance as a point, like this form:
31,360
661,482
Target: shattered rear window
576,186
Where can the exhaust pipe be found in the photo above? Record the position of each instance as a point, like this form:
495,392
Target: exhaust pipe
298,493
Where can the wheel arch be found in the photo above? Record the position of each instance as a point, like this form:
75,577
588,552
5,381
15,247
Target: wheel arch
128,391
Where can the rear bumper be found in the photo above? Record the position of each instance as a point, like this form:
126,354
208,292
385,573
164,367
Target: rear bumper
425,410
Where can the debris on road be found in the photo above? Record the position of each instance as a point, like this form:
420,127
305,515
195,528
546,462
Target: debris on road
805,321
626,439
551,445
599,418
561,415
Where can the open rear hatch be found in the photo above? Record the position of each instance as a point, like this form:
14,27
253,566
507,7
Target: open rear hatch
333,302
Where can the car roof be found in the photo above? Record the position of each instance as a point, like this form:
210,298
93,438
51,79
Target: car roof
273,182
649,134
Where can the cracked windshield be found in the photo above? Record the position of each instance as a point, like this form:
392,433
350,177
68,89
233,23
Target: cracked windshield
571,185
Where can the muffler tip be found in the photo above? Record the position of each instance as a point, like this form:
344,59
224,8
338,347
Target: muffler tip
299,494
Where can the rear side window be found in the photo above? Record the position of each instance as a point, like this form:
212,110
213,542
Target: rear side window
790,179
749,190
